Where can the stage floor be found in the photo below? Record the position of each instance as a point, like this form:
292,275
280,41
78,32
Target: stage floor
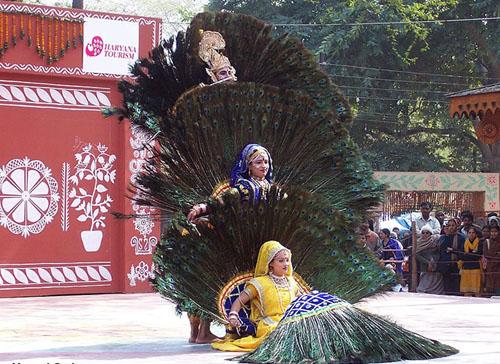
143,328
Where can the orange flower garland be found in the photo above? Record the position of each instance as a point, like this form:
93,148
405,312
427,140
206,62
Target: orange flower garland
6,41
30,32
42,37
37,33
21,31
49,41
14,30
1,34
51,36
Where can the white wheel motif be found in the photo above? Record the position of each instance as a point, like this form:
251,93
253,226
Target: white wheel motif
28,196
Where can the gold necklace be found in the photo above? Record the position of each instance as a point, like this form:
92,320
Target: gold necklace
280,282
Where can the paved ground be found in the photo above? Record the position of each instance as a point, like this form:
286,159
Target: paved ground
143,328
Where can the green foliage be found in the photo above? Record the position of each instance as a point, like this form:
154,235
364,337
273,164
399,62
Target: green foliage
393,74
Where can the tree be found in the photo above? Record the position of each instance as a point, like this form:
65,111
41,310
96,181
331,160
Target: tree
394,72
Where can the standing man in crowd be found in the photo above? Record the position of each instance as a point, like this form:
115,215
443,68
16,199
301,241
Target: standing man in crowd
426,219
467,222
450,245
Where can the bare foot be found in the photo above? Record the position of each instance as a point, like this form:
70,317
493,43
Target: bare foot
204,334
211,338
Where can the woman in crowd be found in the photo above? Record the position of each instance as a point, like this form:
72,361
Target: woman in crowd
391,251
469,264
427,252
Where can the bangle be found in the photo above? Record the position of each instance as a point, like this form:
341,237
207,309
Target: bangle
233,313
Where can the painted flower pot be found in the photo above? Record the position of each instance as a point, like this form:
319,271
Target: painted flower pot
91,240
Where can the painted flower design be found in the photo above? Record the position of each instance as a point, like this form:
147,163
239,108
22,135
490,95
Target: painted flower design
491,180
144,224
493,205
433,181
28,196
142,271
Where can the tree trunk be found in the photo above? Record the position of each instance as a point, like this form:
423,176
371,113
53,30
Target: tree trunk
77,4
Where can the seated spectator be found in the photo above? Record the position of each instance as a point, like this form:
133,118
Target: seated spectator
427,254
395,237
450,245
392,253
467,222
469,264
491,262
426,219
361,239
391,250
372,239
406,240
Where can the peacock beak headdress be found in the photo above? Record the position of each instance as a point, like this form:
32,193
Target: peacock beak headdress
248,154
220,68
267,252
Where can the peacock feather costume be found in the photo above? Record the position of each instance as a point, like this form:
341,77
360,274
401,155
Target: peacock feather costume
319,188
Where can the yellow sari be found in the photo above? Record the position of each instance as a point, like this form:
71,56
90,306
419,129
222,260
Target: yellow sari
268,301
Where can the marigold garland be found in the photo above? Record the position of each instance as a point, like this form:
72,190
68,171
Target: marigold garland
14,30
1,34
52,36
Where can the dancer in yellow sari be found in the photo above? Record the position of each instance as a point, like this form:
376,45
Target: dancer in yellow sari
269,293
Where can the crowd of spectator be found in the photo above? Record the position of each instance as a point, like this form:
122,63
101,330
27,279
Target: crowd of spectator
453,255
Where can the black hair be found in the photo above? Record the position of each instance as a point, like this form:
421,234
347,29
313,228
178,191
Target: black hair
426,204
468,214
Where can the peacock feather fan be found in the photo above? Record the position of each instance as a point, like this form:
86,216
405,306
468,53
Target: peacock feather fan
283,62
210,125
174,67
331,330
323,251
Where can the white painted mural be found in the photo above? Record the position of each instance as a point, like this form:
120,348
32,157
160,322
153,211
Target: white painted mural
94,172
28,196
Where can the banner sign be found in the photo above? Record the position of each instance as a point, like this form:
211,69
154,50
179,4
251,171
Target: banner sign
110,46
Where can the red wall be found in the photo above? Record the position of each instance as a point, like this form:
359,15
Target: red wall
63,169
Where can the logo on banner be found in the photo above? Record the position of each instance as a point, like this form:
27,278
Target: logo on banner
111,46
95,47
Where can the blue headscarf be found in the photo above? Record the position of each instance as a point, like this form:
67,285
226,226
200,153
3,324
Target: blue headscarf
240,177
240,168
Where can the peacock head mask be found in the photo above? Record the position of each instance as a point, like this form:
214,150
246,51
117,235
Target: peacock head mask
219,67
249,154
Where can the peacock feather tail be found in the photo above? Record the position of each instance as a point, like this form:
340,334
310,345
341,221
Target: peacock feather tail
331,330
228,244
174,67
282,100
322,188
201,138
